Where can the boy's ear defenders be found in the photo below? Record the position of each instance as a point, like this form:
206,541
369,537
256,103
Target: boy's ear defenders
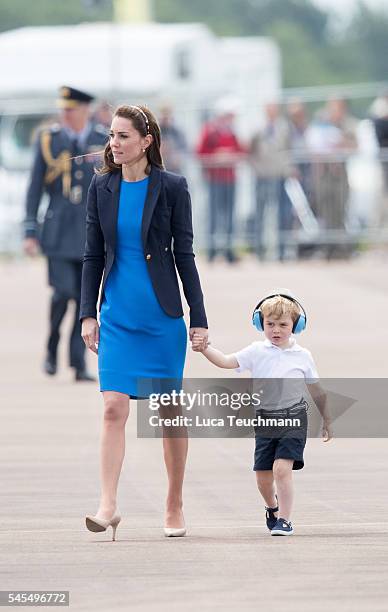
299,324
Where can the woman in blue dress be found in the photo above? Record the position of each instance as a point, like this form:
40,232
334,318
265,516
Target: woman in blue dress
139,235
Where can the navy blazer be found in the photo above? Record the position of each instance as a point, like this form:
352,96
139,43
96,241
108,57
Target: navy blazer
167,238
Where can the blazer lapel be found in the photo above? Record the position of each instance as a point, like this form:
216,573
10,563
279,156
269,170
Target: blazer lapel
153,191
113,187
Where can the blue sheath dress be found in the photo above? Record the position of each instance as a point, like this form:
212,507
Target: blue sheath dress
138,340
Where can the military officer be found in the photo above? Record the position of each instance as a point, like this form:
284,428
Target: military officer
61,172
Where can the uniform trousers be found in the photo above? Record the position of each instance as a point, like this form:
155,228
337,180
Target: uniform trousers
65,279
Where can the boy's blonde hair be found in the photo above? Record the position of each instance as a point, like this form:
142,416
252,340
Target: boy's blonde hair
279,306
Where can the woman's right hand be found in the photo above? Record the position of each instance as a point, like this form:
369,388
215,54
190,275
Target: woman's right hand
90,333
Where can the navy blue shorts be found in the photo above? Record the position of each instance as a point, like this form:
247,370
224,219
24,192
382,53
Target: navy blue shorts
289,445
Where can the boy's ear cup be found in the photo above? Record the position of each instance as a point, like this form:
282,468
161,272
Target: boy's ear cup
299,325
257,321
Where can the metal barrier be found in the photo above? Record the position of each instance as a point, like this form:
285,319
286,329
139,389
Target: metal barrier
331,205
334,206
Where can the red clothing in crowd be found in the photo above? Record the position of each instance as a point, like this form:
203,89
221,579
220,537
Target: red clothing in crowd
214,140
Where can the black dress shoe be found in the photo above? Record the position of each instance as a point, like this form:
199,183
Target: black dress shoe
50,366
83,375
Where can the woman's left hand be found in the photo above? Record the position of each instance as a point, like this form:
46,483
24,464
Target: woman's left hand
200,331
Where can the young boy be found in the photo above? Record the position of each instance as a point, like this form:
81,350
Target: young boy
279,315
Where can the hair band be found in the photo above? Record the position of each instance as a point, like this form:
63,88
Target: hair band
144,116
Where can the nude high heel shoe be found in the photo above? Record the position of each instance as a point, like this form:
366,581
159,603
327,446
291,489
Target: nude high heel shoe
96,524
172,532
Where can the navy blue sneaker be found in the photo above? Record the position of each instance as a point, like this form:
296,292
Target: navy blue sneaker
270,517
282,528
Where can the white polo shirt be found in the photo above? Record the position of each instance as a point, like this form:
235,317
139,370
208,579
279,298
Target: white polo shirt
265,360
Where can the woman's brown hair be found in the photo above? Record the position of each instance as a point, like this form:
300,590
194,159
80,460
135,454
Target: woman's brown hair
144,122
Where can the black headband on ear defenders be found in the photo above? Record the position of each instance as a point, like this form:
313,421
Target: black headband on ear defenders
299,324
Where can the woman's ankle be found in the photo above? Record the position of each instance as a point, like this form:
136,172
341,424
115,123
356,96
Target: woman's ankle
174,518
107,509
174,505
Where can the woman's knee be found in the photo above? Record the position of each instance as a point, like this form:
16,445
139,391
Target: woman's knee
116,409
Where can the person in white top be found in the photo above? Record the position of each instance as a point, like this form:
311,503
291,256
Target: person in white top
278,315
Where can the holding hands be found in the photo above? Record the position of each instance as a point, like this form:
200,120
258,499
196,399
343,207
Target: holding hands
199,337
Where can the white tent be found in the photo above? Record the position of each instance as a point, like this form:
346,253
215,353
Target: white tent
105,58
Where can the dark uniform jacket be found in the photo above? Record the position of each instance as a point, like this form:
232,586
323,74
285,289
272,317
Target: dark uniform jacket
167,238
66,182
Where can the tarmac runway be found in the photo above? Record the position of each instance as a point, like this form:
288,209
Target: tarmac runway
49,436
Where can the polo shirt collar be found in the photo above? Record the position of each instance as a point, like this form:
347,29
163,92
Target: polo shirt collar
293,345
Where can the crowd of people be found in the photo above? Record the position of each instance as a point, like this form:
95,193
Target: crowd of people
293,156
290,149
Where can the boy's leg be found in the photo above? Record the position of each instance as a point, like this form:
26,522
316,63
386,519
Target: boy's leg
282,473
264,458
266,486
